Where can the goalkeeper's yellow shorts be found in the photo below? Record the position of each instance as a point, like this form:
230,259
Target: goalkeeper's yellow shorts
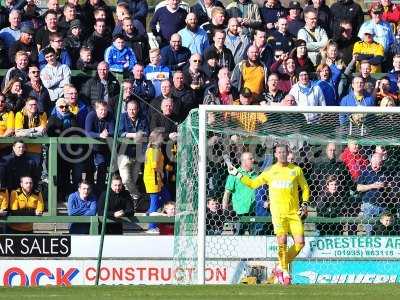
287,223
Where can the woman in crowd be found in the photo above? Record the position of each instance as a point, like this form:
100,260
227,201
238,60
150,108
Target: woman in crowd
14,95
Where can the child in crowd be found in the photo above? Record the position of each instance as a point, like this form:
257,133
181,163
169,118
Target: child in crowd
216,217
85,61
153,176
331,204
119,57
385,225
167,211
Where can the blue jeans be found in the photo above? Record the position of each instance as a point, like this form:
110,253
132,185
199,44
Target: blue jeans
157,200
370,210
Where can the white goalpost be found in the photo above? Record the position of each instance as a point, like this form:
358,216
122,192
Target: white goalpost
193,243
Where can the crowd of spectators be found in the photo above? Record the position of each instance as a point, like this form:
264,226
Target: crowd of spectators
244,53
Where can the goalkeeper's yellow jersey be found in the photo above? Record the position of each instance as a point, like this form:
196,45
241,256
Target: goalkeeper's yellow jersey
283,183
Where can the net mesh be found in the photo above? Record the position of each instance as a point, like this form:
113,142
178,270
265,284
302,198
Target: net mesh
350,161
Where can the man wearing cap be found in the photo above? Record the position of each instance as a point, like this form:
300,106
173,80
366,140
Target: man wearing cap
210,66
25,43
315,36
295,22
250,73
74,40
382,31
346,10
369,50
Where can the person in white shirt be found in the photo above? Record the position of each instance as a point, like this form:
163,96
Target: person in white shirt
54,75
306,93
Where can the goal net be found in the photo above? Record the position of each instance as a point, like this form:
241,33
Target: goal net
350,157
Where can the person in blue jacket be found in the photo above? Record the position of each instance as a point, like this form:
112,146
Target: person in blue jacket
119,57
327,85
357,97
81,203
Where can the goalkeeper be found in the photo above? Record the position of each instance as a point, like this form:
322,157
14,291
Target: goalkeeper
283,179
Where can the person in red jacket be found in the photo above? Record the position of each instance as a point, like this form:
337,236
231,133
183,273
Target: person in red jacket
354,160
391,11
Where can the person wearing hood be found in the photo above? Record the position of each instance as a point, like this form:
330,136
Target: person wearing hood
346,10
210,66
202,9
120,58
74,40
306,93
60,122
345,40
194,37
89,9
247,14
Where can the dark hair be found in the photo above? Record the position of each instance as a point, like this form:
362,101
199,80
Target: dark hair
48,50
118,36
18,142
116,177
84,181
50,12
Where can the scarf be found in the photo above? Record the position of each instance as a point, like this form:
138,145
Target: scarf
65,118
30,121
305,89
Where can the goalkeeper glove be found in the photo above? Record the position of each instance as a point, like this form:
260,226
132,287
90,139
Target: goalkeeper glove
303,211
234,172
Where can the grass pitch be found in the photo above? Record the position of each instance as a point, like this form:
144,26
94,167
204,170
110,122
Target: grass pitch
231,292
